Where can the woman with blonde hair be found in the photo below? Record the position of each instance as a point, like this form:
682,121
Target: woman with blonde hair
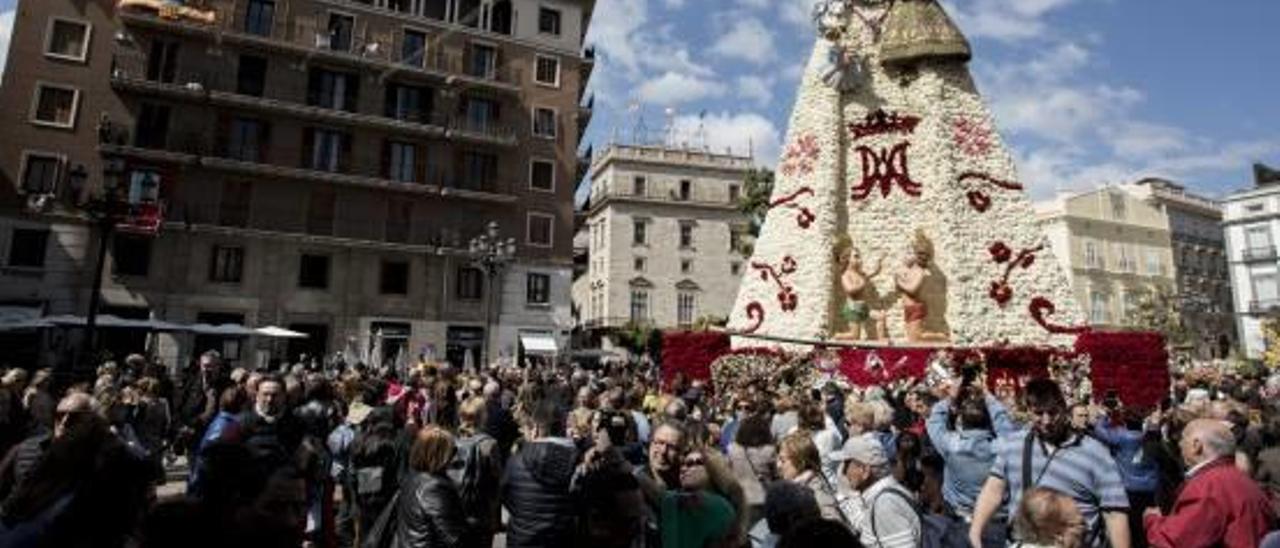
798,462
429,511
1048,519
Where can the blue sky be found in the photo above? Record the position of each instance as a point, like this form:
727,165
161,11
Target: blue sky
1087,92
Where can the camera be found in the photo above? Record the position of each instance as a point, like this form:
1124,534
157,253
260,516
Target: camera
614,424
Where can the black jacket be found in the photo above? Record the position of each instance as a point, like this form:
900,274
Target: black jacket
536,493
430,514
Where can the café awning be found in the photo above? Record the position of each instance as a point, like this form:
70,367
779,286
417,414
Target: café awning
538,344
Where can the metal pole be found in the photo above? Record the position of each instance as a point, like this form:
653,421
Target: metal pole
95,296
488,319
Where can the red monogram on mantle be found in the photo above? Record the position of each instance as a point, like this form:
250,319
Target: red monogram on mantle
804,216
1001,292
883,170
880,122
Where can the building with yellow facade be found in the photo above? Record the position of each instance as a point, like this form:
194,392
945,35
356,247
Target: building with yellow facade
1117,248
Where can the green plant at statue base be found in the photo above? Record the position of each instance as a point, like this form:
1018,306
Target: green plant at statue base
638,338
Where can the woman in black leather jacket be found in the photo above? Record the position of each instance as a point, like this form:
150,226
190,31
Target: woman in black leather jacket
430,512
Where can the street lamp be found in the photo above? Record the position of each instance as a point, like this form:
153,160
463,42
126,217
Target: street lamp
106,210
490,253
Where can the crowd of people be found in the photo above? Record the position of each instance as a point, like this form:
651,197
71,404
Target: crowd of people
340,457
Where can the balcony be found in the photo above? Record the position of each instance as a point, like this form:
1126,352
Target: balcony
1258,253
1265,306
196,149
309,38
129,73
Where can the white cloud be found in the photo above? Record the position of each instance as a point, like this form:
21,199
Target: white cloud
797,12
674,4
742,133
674,88
754,4
748,39
633,49
6,32
1137,139
756,88
1004,20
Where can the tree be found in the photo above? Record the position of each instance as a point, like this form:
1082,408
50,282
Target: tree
757,190
637,337
1271,338
1159,311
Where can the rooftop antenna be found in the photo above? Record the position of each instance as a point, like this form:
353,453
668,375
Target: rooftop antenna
700,139
670,130
638,128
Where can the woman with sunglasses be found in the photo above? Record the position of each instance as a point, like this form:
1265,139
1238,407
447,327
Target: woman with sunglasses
708,511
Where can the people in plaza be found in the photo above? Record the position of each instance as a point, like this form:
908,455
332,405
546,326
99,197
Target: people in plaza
1051,454
877,505
429,510
1219,505
968,451
536,487
799,463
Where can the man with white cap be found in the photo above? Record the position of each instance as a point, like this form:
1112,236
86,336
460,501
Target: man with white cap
879,508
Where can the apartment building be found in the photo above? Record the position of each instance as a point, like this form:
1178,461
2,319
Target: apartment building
1199,261
314,164
1116,247
663,237
1251,221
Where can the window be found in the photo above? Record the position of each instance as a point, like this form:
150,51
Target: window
153,126
55,105
413,51
639,305
67,39
1092,258
1155,263
395,278
549,21
542,175
313,272
470,282
686,190
483,61
540,228
544,122
538,289
1128,263
162,61
639,186
1118,206
409,103
40,174
639,232
547,70
1098,312
131,255
327,150
341,27
1258,240
27,248
735,238
1254,208
686,234
686,266
735,194
251,76
480,171
247,140
1266,288
639,264
735,268
335,90
226,264
686,304
259,17
1130,303
401,158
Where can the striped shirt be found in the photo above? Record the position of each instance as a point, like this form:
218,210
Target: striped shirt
1082,469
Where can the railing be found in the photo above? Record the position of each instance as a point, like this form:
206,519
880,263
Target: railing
1264,306
131,70
312,33
1259,253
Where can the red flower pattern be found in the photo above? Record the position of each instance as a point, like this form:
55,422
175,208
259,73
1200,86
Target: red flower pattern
800,156
971,137
1001,292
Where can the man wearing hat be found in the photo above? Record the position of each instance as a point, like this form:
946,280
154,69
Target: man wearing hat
879,508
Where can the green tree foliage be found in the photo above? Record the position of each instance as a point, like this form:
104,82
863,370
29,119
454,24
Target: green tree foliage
1159,311
757,189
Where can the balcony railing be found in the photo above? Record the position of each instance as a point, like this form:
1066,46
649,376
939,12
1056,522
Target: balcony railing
310,35
1264,306
130,71
1259,253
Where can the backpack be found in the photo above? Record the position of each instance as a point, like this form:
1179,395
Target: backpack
936,531
469,476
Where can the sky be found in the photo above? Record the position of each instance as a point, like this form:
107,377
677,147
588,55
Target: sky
1086,92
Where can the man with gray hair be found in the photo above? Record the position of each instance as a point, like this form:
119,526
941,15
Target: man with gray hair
880,509
1218,504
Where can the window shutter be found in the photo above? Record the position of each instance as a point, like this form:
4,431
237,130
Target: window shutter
264,142
353,93
314,84
386,159
344,159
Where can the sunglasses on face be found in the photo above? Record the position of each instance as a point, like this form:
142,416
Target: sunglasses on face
690,463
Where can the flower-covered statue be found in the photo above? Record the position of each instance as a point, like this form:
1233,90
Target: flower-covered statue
855,283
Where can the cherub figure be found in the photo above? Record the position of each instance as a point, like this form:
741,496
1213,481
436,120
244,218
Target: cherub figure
910,280
854,282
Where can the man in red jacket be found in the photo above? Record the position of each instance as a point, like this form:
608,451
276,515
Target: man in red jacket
1218,505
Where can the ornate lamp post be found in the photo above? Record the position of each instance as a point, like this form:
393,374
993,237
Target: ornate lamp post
491,254
106,210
